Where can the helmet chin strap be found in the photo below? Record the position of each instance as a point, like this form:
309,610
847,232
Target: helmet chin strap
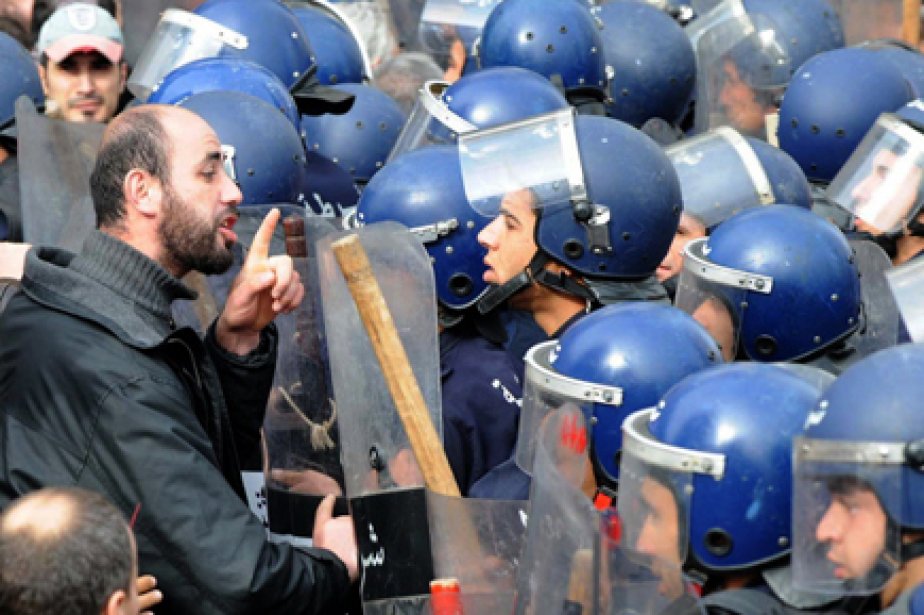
536,272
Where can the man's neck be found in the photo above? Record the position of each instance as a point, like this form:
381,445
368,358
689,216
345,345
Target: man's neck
910,575
907,248
550,309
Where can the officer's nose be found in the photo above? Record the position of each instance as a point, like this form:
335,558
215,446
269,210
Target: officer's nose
488,236
831,525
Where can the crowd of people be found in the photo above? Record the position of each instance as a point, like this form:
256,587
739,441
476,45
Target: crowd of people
671,253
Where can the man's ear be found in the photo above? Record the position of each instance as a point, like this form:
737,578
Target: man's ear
43,76
123,76
142,192
116,603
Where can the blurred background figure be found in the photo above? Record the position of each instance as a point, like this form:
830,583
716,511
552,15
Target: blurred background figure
402,77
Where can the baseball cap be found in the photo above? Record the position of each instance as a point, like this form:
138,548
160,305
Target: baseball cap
80,27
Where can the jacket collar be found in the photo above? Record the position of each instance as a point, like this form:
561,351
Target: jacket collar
110,283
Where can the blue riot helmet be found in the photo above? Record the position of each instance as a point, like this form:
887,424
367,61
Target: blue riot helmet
747,52
268,169
327,189
606,198
423,190
610,364
652,61
882,183
20,77
339,55
559,39
711,464
487,98
722,172
861,454
360,139
816,127
225,73
774,283
275,38
905,58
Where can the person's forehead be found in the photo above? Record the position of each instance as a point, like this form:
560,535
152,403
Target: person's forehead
192,137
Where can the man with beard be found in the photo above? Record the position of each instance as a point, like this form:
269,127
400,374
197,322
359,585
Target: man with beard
99,389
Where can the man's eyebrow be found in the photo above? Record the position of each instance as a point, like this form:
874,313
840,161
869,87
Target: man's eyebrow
503,211
214,156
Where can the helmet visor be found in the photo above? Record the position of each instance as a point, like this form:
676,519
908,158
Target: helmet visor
881,184
841,494
180,38
537,157
546,391
717,296
655,486
431,121
720,175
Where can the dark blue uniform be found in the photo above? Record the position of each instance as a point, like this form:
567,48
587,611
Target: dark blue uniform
482,394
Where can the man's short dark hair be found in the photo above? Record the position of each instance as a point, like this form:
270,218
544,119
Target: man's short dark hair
135,140
70,567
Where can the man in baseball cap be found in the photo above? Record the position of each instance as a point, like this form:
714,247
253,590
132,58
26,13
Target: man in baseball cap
81,63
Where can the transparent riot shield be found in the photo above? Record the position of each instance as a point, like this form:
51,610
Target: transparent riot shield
300,429
55,161
139,19
382,476
719,174
726,39
865,20
574,559
907,286
880,316
379,33
484,556
560,563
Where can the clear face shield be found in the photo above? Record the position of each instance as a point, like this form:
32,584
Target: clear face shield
842,543
442,23
655,487
720,175
881,184
536,159
431,122
717,296
546,391
742,67
180,38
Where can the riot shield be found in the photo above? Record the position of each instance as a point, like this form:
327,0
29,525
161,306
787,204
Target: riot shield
880,317
444,22
574,560
865,20
382,476
373,21
55,161
300,428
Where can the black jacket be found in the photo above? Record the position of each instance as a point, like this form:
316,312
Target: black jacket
98,390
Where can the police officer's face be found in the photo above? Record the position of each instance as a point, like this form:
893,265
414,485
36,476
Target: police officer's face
660,532
83,87
854,527
509,238
740,104
689,229
883,174
200,204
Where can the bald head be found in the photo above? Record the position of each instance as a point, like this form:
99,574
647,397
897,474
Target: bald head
63,550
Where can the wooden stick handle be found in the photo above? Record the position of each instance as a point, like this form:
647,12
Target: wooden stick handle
911,22
402,384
